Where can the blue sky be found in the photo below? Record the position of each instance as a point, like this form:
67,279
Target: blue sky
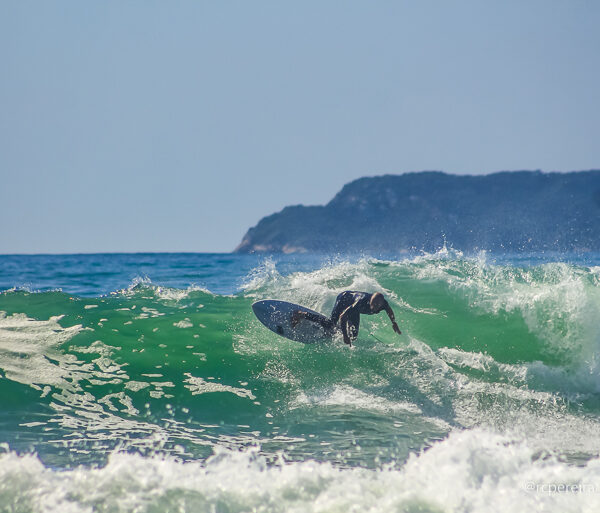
175,126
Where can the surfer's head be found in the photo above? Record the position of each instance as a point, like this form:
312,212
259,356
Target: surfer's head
377,302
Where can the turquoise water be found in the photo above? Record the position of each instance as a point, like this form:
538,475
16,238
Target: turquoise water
144,383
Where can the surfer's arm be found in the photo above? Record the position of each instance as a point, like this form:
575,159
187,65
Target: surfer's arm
390,313
298,315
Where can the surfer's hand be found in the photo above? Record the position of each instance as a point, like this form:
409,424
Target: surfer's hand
396,328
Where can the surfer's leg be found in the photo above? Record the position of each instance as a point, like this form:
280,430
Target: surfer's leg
353,326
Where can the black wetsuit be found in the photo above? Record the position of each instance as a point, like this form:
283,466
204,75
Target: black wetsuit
362,305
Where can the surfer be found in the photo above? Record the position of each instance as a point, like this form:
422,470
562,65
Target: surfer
346,313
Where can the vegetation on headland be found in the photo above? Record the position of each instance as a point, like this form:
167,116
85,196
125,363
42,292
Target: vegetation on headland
506,211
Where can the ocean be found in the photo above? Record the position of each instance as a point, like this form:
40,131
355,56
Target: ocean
144,383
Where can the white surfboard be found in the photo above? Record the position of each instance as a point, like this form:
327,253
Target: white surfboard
277,316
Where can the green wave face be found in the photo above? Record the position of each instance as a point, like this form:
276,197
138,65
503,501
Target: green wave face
152,370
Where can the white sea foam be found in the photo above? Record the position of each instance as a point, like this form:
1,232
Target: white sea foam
25,344
475,471
350,397
201,386
30,354
183,324
169,294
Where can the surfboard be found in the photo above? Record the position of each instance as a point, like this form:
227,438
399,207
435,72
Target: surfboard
277,316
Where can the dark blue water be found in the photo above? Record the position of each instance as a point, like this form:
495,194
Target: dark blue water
221,273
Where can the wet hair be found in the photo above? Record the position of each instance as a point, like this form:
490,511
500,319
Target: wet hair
378,302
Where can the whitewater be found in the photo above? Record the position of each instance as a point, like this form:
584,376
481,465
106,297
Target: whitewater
143,382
